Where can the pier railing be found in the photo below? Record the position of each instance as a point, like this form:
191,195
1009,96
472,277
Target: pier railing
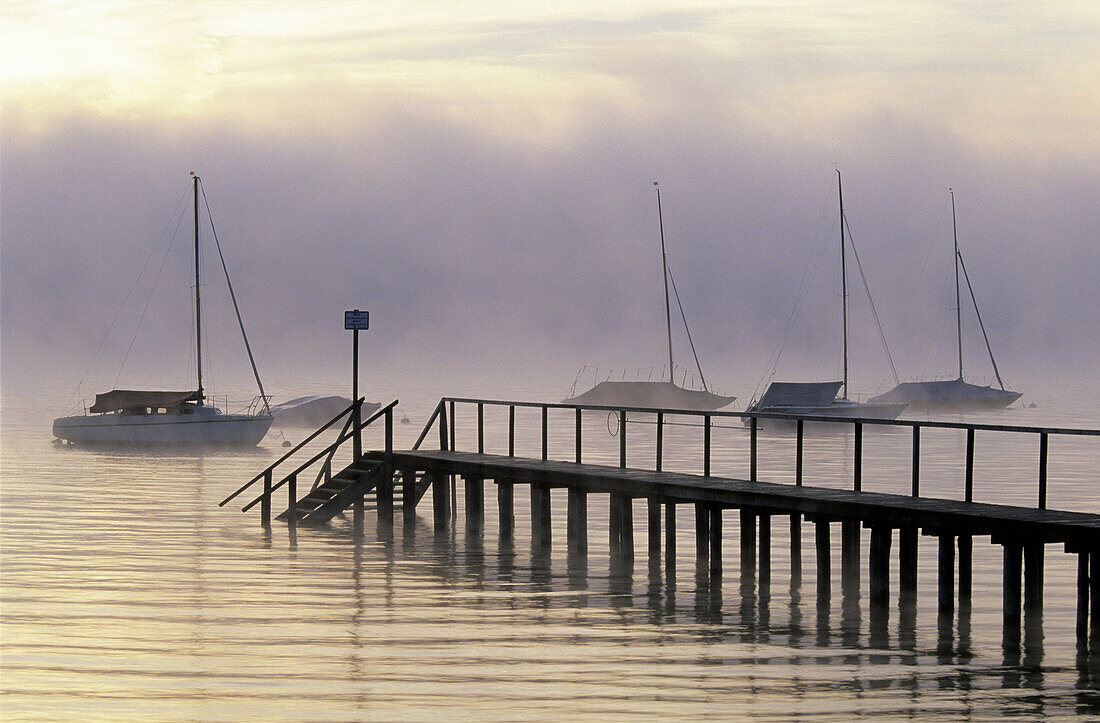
350,432
443,418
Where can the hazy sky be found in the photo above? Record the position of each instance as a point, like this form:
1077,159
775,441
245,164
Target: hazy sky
479,176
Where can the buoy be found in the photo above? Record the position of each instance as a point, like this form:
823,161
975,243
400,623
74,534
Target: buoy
286,442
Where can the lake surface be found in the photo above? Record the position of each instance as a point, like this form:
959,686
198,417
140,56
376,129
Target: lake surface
127,593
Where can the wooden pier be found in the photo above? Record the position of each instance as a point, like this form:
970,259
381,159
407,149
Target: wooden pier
387,477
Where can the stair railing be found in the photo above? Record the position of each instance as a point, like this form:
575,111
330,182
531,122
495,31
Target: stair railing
347,433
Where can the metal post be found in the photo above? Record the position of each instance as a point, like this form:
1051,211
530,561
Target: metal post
798,454
706,445
511,430
545,436
752,450
858,465
454,425
660,438
916,460
578,435
1043,471
480,428
622,439
357,440
969,493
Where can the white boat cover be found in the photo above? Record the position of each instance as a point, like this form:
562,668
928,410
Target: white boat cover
799,394
649,395
946,393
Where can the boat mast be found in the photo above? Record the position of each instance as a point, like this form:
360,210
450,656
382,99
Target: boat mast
198,303
664,266
958,297
843,283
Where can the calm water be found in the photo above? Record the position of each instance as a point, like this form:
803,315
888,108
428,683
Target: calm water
128,593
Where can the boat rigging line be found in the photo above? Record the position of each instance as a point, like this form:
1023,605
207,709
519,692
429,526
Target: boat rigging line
871,301
233,296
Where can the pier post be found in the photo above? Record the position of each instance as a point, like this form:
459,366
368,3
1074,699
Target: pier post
383,496
670,542
628,529
265,502
474,488
541,535
1094,600
764,560
1082,600
441,500
408,493
824,569
1011,608
292,498
576,532
653,507
946,570
621,528
506,509
849,557
796,550
907,561
879,565
966,571
748,547
1033,576
715,541
702,536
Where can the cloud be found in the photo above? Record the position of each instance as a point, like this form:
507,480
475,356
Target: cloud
484,189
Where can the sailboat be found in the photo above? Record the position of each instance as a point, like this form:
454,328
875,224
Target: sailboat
820,399
659,394
955,394
169,418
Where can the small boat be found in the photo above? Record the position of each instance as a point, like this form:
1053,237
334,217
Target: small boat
820,398
954,395
314,411
660,394
169,418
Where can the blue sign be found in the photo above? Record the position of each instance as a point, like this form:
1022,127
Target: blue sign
356,319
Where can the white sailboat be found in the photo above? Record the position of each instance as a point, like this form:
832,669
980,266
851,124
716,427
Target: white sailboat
955,395
660,394
820,399
169,418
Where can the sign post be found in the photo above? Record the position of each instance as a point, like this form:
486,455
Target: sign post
356,320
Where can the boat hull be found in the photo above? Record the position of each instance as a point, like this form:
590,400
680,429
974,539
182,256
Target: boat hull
841,412
948,396
238,430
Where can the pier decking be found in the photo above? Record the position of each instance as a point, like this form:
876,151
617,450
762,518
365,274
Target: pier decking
387,477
